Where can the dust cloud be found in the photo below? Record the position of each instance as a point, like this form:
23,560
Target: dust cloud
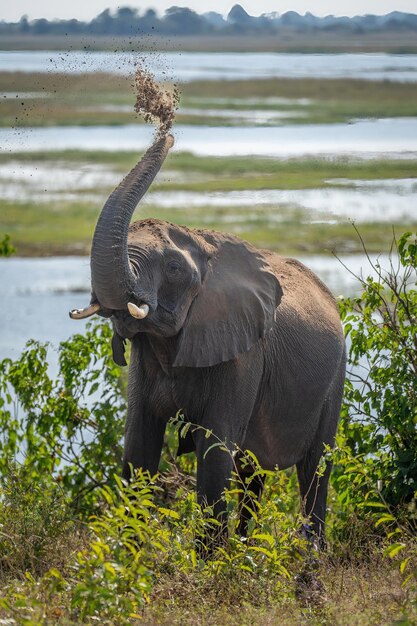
157,104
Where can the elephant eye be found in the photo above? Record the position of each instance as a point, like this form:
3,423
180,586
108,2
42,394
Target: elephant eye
173,268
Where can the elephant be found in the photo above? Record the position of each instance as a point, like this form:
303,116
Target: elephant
247,344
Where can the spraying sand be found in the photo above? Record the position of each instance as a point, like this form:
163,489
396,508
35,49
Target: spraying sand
156,104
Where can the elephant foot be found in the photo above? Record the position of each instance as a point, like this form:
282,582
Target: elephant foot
315,541
309,589
215,538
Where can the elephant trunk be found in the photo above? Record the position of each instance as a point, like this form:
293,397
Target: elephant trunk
112,276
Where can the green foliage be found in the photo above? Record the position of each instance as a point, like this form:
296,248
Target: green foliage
60,451
271,549
136,541
6,248
374,495
375,473
114,575
69,427
32,602
34,524
380,413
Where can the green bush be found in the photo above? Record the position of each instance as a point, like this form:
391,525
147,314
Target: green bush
6,247
35,524
114,575
380,411
71,427
135,542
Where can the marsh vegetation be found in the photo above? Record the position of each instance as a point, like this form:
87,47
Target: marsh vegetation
62,221
46,218
47,99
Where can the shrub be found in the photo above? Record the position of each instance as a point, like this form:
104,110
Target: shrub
135,542
6,247
35,524
114,575
69,427
378,432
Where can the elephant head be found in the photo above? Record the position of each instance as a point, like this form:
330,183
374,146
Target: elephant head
213,293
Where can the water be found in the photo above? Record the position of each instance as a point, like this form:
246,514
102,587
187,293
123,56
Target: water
32,182
366,202
37,294
187,66
257,117
387,138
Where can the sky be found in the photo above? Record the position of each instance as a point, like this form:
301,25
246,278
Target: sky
87,9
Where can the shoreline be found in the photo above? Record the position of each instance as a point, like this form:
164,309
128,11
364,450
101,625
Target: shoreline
403,42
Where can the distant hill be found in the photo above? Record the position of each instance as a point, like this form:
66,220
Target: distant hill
181,21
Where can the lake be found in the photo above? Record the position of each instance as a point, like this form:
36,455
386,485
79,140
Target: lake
387,138
188,66
38,293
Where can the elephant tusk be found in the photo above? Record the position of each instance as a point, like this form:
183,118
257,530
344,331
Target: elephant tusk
80,314
139,312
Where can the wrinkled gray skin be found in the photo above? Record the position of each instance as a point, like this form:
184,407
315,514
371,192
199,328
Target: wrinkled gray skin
246,343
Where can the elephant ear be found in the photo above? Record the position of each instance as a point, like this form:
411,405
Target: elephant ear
234,308
118,349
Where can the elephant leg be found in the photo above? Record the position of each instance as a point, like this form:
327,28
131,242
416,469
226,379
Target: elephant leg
313,483
214,471
215,466
144,431
224,420
313,490
312,478
249,498
144,437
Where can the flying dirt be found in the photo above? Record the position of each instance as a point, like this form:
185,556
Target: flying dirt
156,104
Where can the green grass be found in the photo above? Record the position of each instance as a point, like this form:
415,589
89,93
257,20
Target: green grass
43,230
39,577
63,227
333,100
225,173
355,592
79,99
68,229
